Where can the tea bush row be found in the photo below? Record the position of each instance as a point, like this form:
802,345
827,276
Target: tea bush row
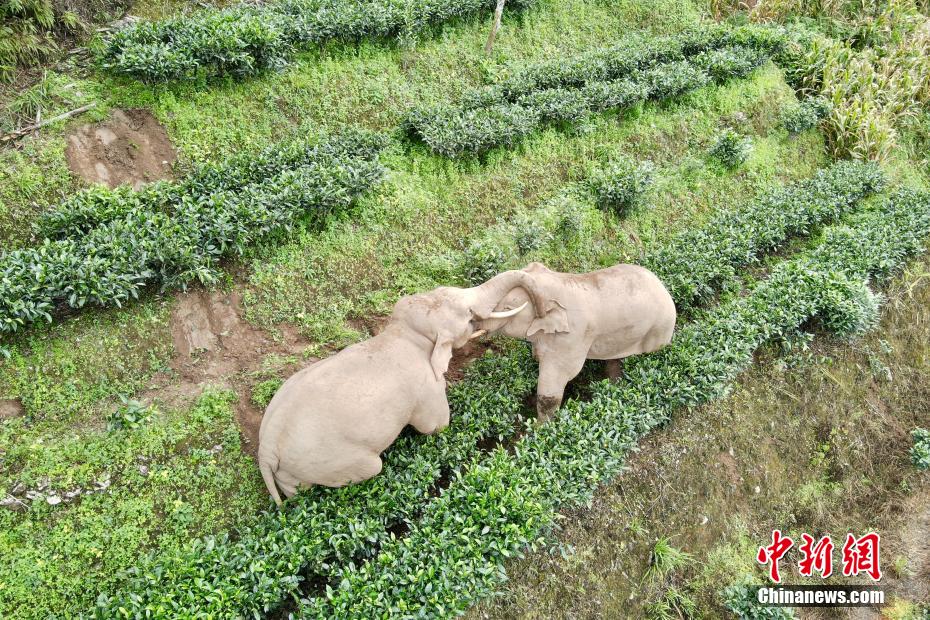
116,244
322,530
78,215
613,79
697,263
502,505
246,39
256,572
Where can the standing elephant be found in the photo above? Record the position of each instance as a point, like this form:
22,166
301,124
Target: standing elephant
607,314
329,423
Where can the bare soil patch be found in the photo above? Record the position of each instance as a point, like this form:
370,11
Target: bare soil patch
131,147
11,408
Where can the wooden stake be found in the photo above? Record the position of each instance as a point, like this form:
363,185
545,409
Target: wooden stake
498,12
22,131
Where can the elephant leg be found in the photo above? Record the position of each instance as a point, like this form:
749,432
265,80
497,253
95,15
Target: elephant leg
367,466
556,369
433,415
614,369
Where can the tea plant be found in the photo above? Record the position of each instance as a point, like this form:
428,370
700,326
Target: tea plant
567,91
806,115
621,185
920,452
324,530
504,504
246,39
696,263
731,149
107,247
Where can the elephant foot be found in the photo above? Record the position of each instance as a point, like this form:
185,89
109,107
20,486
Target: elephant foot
614,369
546,406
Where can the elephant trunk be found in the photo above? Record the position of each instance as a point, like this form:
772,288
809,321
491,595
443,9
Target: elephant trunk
491,292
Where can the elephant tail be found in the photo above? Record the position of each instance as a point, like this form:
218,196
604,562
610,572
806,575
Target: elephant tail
265,464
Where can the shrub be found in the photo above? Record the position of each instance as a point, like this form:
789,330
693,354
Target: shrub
805,116
731,149
740,598
483,260
920,452
108,246
850,308
264,391
246,39
529,235
495,505
567,91
621,185
696,263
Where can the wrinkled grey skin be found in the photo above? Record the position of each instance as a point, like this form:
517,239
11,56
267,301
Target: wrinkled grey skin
329,422
607,314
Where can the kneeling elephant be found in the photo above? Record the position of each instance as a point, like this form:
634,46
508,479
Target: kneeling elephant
329,423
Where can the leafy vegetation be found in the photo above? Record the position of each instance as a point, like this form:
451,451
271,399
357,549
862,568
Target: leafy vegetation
103,247
27,32
621,185
920,452
740,598
805,116
612,78
503,504
245,39
710,257
323,530
731,149
874,81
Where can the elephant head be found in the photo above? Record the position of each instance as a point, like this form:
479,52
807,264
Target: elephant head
449,316
547,314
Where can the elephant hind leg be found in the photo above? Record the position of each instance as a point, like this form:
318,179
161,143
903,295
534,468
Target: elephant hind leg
614,369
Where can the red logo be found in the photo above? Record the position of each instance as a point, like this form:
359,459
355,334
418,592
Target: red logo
860,555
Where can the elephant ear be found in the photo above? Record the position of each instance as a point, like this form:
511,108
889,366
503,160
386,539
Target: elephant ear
442,353
555,320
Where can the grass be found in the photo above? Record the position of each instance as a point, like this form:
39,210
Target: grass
817,443
70,377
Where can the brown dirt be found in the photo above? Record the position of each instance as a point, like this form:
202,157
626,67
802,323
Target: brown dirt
131,147
11,408
216,347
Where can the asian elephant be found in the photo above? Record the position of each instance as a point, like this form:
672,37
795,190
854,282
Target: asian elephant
607,314
329,422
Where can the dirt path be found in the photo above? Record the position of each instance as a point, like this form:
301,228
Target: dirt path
131,147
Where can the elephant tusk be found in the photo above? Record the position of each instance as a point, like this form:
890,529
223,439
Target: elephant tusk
478,334
506,314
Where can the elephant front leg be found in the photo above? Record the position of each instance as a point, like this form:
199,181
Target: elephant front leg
555,371
433,415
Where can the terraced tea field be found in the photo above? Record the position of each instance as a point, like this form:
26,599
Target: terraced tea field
332,157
